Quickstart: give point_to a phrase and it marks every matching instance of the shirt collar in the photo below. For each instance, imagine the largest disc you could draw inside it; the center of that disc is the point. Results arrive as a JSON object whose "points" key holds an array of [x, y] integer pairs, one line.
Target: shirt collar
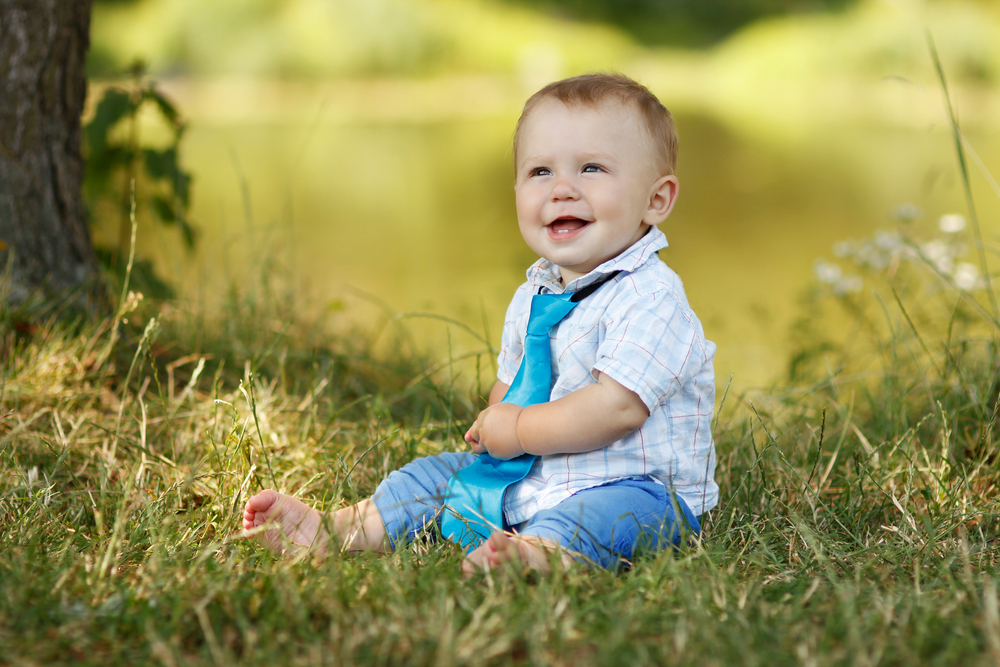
{"points": [[545, 274]]}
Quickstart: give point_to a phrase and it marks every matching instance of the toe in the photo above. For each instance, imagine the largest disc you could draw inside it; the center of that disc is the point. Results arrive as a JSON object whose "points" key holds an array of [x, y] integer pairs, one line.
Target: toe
{"points": [[262, 501], [500, 542]]}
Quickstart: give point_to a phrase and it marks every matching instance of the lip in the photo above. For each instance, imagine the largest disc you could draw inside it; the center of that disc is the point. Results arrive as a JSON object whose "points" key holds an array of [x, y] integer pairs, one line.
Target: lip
{"points": [[565, 234]]}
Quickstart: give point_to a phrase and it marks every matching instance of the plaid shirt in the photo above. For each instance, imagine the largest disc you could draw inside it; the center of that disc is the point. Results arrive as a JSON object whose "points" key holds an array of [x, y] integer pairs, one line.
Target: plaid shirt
{"points": [[640, 330]]}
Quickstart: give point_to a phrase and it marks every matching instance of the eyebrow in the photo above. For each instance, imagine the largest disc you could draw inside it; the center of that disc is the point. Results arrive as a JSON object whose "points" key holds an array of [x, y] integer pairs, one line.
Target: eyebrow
{"points": [[584, 157], [597, 156]]}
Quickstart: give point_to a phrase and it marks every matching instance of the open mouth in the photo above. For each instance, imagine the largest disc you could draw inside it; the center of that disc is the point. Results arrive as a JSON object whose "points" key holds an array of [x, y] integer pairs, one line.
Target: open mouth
{"points": [[566, 227]]}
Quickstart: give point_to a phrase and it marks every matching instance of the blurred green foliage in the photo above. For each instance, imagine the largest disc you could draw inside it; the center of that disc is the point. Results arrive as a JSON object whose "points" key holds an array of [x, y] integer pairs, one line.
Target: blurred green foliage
{"points": [[690, 23], [312, 39], [536, 41], [125, 170], [657, 22]]}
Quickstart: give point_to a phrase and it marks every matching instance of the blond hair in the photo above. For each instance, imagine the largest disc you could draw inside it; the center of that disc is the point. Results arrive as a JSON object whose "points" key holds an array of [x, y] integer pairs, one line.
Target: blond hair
{"points": [[592, 90]]}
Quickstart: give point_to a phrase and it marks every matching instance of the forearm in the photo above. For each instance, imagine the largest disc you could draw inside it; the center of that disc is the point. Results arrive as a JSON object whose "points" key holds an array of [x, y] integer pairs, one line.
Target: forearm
{"points": [[587, 419], [498, 392]]}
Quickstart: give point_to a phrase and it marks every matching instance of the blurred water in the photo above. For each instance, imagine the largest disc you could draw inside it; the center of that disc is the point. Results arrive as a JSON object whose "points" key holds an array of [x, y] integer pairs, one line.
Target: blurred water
{"points": [[420, 215]]}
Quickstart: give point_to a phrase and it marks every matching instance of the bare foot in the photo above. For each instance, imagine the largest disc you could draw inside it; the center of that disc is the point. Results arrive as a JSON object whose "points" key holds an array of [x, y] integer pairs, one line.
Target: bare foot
{"points": [[295, 524], [296, 527], [532, 553]]}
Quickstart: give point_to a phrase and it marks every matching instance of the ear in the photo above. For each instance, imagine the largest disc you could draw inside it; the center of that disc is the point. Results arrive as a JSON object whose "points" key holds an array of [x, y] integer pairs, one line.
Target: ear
{"points": [[661, 199]]}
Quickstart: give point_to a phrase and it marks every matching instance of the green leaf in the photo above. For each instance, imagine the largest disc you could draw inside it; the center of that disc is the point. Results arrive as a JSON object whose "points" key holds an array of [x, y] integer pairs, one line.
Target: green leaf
{"points": [[165, 165], [182, 187], [163, 103], [188, 232], [101, 169], [171, 213], [113, 107], [163, 209], [161, 164]]}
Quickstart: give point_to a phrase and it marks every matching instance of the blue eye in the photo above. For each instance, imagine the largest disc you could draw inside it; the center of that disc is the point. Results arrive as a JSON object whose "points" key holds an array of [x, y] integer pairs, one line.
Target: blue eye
{"points": [[540, 171], [592, 168]]}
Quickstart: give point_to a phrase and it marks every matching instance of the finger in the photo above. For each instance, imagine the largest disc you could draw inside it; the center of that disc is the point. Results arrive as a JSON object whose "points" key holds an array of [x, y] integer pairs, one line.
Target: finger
{"points": [[472, 435]]}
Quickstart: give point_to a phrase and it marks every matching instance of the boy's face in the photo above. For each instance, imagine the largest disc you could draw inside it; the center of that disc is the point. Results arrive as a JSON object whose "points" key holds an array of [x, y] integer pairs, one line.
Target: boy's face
{"points": [[587, 186]]}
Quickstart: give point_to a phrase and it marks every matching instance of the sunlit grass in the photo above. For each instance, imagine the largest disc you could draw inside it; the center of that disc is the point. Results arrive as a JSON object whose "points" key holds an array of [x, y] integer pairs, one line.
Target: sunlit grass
{"points": [[858, 521]]}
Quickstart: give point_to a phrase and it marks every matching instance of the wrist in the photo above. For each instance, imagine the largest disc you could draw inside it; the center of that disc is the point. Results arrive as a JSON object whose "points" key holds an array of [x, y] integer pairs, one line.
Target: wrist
{"points": [[517, 434]]}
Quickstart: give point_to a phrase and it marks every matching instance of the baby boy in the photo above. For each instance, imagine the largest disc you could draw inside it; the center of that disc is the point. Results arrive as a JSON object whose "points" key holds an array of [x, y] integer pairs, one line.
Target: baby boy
{"points": [[622, 449]]}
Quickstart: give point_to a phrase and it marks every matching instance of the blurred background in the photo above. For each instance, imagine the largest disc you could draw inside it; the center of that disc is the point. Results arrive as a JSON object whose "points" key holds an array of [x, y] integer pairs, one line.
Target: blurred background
{"points": [[355, 154]]}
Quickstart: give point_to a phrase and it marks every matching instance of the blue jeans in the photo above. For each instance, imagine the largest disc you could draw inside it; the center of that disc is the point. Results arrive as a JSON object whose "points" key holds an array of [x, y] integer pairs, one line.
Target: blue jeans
{"points": [[606, 524]]}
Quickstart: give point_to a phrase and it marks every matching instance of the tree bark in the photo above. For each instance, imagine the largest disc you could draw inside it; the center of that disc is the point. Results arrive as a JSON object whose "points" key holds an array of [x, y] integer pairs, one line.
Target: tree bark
{"points": [[43, 225]]}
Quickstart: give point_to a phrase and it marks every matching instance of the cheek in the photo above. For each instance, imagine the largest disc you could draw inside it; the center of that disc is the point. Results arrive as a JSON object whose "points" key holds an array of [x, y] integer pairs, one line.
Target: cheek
{"points": [[624, 207], [532, 236], [523, 219], [526, 207], [605, 200]]}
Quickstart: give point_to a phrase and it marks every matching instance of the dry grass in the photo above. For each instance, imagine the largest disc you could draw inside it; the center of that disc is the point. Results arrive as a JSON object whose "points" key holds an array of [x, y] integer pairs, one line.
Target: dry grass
{"points": [[858, 522]]}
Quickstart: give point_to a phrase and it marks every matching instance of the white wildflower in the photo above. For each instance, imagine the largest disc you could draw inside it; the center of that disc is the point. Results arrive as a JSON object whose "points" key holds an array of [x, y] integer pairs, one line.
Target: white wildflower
{"points": [[828, 272], [952, 223], [907, 212], [940, 254], [844, 248], [966, 276], [888, 241], [848, 285], [871, 256]]}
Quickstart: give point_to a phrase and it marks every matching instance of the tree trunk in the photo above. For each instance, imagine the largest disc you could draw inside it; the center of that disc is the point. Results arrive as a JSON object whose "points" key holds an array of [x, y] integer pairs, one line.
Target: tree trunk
{"points": [[43, 226]]}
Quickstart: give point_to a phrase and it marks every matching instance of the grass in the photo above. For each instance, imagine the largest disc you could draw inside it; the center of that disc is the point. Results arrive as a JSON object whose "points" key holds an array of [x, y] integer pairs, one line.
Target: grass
{"points": [[859, 520], [858, 526]]}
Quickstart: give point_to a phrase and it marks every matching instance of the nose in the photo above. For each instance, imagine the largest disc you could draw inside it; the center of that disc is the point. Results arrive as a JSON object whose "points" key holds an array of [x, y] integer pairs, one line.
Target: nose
{"points": [[564, 188]]}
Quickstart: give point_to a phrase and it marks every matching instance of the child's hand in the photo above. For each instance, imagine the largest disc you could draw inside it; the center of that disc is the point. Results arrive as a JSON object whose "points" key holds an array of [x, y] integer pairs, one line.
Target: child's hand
{"points": [[495, 431], [472, 437]]}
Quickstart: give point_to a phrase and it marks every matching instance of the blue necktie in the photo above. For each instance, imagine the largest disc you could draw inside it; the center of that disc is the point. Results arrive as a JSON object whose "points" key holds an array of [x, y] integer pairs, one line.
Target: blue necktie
{"points": [[474, 502]]}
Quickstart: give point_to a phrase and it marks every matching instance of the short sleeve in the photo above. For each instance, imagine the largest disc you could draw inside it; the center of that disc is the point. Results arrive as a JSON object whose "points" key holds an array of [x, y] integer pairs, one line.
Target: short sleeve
{"points": [[515, 326], [653, 345]]}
